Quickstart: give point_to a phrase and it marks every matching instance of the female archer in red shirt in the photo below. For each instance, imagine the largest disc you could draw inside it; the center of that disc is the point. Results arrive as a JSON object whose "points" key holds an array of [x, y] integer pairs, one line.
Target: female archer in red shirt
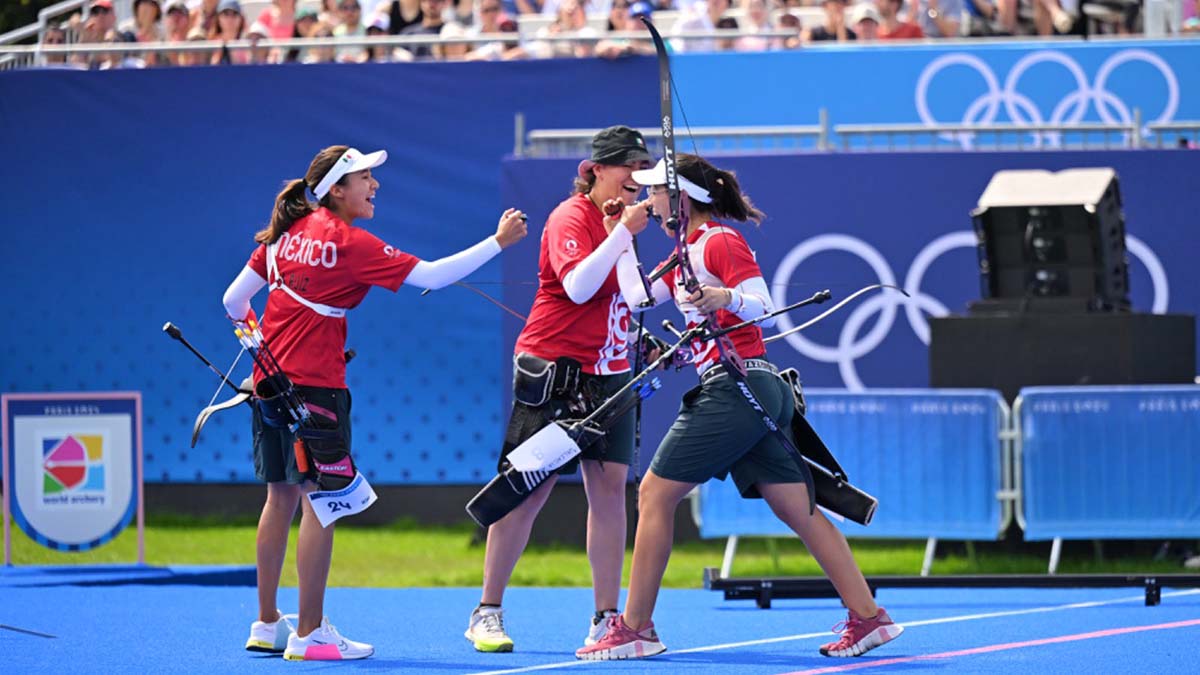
{"points": [[319, 266]]}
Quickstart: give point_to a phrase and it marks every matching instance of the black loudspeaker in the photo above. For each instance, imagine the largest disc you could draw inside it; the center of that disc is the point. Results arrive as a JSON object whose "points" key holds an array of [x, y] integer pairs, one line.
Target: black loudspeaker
{"points": [[1051, 242]]}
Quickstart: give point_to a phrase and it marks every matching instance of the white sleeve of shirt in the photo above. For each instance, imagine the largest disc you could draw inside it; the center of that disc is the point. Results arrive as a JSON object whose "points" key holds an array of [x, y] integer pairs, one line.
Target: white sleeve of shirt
{"points": [[237, 296], [750, 300], [443, 272], [582, 282], [631, 283]]}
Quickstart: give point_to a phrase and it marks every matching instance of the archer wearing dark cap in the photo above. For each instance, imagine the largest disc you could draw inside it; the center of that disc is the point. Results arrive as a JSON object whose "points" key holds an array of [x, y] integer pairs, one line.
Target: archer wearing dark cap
{"points": [[576, 332], [615, 145]]}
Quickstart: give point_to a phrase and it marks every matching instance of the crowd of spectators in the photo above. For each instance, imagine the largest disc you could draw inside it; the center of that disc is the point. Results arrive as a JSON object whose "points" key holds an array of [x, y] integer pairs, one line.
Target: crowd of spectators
{"points": [[764, 24]]}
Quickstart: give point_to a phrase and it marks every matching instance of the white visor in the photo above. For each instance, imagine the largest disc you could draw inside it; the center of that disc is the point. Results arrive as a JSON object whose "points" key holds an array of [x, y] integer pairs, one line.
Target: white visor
{"points": [[351, 160], [658, 176]]}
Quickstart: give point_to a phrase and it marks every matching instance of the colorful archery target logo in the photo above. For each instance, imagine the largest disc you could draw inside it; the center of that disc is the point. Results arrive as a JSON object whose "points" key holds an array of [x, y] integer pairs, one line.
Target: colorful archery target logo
{"points": [[73, 469], [72, 465]]}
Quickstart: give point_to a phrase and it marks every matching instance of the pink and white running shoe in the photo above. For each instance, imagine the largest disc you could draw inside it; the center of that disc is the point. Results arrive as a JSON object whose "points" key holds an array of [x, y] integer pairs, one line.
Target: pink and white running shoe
{"points": [[860, 635], [622, 642], [325, 644]]}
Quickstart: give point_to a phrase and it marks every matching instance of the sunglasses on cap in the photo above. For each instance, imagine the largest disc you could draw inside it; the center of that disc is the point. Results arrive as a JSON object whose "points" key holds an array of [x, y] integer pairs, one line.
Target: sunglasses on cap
{"points": [[100, 10]]}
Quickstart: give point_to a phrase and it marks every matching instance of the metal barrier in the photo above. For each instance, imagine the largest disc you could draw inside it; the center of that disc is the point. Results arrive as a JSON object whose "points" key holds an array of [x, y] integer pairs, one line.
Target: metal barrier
{"points": [[707, 140], [1077, 462], [936, 460], [1108, 463]]}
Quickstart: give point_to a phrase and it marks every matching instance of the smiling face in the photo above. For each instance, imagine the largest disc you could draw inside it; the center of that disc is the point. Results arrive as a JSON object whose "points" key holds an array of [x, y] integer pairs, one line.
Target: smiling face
{"points": [[661, 205], [354, 196], [616, 181]]}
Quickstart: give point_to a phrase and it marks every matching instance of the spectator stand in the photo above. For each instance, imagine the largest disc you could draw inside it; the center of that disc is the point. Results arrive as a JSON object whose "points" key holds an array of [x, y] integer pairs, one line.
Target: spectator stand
{"points": [[530, 24]]}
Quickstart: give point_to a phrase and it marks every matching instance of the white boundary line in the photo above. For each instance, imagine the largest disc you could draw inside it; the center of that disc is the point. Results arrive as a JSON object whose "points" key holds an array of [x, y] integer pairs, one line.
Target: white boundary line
{"points": [[906, 624]]}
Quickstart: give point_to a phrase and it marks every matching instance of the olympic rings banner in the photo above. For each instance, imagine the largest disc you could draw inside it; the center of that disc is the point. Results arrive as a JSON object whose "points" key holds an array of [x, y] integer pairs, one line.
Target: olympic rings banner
{"points": [[1017, 83]]}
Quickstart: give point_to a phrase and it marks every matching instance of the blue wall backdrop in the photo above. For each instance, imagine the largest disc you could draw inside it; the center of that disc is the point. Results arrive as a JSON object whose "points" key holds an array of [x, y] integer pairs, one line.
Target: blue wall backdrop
{"points": [[140, 193], [132, 197], [1016, 82]]}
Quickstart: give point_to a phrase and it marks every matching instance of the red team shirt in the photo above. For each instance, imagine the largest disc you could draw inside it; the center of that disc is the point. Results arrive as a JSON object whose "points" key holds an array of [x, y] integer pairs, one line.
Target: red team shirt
{"points": [[331, 263], [594, 333], [720, 257]]}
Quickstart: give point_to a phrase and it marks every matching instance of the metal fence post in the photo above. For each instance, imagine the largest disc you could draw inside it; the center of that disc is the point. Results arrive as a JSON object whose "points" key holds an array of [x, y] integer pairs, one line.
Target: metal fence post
{"points": [[823, 121], [519, 134]]}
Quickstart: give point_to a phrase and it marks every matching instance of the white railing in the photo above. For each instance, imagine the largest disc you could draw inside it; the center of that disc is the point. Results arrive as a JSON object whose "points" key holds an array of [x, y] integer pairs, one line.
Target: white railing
{"points": [[825, 136]]}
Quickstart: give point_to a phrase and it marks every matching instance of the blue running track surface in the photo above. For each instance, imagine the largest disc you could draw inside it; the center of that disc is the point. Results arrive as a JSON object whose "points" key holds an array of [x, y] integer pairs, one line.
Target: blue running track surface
{"points": [[156, 620]]}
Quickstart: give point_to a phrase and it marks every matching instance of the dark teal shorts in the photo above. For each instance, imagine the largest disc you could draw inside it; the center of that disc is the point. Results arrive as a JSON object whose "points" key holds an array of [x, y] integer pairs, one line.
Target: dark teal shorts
{"points": [[717, 433], [274, 456]]}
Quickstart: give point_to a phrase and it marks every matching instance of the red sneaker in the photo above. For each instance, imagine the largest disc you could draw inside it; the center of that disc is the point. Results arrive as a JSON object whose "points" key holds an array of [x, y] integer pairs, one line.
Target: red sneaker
{"points": [[622, 642], [860, 635]]}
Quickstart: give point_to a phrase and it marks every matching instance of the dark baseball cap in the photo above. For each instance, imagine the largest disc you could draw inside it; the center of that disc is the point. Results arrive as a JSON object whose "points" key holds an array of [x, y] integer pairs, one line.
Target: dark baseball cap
{"points": [[615, 146]]}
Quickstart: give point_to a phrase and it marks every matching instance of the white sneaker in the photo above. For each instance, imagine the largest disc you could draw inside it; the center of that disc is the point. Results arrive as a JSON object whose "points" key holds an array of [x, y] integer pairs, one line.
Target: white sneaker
{"points": [[486, 630], [599, 626], [325, 644], [270, 637]]}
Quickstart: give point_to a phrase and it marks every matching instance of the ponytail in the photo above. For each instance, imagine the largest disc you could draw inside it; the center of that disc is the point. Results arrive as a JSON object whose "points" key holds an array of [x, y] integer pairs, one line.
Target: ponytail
{"points": [[291, 205], [728, 201]]}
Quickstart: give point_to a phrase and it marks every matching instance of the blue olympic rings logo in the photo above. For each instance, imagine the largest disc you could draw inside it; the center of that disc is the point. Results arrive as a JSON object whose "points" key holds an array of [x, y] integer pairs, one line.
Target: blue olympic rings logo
{"points": [[1022, 110]]}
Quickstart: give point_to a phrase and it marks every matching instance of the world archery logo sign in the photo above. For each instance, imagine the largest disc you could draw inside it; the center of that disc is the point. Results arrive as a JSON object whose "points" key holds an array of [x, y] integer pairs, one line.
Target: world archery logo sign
{"points": [[1060, 92], [72, 466], [73, 470]]}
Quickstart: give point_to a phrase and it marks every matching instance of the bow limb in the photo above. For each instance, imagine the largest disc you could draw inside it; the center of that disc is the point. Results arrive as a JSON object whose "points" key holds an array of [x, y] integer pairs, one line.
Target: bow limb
{"points": [[818, 318], [677, 219]]}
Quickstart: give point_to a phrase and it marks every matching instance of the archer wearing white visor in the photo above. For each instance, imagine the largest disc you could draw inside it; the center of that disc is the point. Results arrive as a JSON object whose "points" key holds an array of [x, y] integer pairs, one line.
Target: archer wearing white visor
{"points": [[320, 266], [717, 433]]}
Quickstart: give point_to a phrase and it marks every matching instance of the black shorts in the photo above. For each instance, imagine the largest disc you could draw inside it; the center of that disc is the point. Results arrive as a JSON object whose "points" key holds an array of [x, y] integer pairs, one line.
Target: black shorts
{"points": [[274, 456], [616, 446]]}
